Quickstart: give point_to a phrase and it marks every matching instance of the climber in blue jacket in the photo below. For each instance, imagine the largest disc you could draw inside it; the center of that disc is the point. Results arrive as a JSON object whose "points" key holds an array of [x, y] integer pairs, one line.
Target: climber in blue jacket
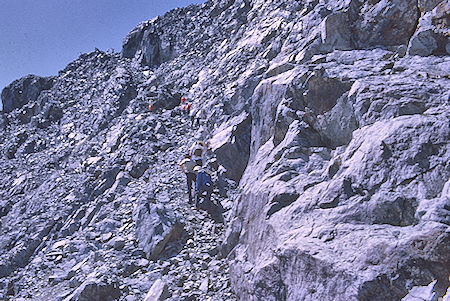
{"points": [[203, 183]]}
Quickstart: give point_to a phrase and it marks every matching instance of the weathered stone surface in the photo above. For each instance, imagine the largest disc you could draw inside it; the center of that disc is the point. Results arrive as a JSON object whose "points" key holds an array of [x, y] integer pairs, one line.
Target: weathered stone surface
{"points": [[383, 22], [231, 145], [329, 142], [157, 292], [23, 91], [155, 228], [427, 5], [335, 32], [326, 197], [422, 293], [432, 34], [152, 45], [95, 290]]}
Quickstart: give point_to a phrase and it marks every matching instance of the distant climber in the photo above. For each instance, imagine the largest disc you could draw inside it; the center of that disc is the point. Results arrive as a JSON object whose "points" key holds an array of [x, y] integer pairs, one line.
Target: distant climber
{"points": [[195, 119], [187, 166], [186, 108], [150, 105], [198, 117], [192, 119], [203, 187], [198, 149]]}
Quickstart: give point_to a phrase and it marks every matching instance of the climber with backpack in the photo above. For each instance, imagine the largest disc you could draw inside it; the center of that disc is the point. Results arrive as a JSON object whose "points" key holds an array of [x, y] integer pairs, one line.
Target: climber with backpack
{"points": [[195, 119], [187, 166], [187, 109], [203, 187], [197, 151], [183, 105]]}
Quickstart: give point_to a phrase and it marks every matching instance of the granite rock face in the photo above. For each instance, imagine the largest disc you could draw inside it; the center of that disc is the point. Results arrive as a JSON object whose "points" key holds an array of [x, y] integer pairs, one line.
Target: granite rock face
{"points": [[328, 129], [24, 90], [387, 23], [231, 145], [432, 34]]}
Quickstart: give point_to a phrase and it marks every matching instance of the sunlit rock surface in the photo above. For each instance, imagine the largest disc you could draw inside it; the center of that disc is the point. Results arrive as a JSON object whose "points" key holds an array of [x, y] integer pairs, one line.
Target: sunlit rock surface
{"points": [[328, 128]]}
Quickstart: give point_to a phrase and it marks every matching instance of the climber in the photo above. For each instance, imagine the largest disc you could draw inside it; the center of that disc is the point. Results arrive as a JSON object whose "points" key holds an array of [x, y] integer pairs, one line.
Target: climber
{"points": [[185, 108], [150, 105], [182, 100], [203, 184], [197, 151], [195, 119], [187, 166]]}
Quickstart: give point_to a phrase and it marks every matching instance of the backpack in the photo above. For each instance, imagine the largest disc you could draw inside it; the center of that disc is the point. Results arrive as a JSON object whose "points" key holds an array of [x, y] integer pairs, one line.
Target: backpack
{"points": [[203, 181], [198, 152]]}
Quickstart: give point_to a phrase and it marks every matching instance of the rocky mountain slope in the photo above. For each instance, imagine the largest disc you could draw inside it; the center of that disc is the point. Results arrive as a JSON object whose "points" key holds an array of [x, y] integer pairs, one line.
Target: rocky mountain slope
{"points": [[329, 128]]}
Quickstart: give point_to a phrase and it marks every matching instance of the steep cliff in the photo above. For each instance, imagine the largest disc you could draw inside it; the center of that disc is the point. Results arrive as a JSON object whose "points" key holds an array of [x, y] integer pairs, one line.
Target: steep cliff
{"points": [[329, 128]]}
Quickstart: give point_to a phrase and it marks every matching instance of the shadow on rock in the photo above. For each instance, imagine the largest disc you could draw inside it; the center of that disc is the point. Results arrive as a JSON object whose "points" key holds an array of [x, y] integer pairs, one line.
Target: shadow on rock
{"points": [[214, 209]]}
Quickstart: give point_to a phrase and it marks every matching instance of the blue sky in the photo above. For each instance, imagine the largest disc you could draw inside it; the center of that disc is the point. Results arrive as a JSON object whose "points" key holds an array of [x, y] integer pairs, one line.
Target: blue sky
{"points": [[42, 36]]}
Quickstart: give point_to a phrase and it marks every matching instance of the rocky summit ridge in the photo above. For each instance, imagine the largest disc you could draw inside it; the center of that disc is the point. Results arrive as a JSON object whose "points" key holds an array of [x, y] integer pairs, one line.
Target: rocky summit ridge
{"points": [[328, 123]]}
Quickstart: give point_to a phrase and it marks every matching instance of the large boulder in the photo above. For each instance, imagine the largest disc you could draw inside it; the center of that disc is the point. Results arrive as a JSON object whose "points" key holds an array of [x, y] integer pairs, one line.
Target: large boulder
{"points": [[131, 42], [95, 289], [146, 43], [24, 90], [335, 32], [156, 226], [386, 23], [163, 97], [231, 145], [432, 34], [158, 292]]}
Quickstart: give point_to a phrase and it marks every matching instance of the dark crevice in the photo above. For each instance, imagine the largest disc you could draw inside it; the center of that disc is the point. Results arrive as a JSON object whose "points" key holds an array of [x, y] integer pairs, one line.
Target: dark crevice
{"points": [[417, 22], [280, 201]]}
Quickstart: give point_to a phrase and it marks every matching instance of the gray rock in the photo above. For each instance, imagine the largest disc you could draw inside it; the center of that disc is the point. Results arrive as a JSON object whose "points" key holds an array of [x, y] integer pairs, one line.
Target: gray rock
{"points": [[157, 292], [377, 23], [204, 285], [421, 293], [95, 290], [155, 228], [23, 91], [231, 145], [278, 69], [384, 208], [431, 36], [423, 43], [335, 32], [427, 5], [231, 237], [160, 129], [130, 298], [118, 243]]}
